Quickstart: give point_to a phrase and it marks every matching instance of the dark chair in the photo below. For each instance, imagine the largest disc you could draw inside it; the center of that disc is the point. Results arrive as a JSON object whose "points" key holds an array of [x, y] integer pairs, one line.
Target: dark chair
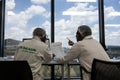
{"points": [[15, 70], [105, 70]]}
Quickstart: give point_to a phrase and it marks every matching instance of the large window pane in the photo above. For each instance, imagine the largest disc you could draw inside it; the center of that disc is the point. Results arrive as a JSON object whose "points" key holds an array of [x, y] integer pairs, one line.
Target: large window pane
{"points": [[112, 27], [22, 16], [69, 15]]}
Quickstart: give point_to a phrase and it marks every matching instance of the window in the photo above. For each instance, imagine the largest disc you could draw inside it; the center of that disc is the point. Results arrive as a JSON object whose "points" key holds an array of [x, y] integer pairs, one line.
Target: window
{"points": [[112, 27], [70, 14], [21, 18]]}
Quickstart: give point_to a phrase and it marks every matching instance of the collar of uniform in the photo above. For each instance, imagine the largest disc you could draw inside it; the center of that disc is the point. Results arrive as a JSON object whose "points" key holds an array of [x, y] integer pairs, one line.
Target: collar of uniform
{"points": [[37, 38], [88, 37]]}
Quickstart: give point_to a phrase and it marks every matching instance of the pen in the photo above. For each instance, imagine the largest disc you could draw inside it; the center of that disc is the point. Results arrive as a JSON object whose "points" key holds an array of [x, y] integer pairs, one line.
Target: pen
{"points": [[68, 39]]}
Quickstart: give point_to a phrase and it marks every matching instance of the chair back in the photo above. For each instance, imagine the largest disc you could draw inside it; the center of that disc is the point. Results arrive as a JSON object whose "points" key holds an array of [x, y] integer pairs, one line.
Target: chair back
{"points": [[15, 70], [105, 70]]}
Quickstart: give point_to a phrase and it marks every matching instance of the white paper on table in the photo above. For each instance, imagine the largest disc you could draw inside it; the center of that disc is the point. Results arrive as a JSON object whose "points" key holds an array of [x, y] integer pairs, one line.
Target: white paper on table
{"points": [[56, 48]]}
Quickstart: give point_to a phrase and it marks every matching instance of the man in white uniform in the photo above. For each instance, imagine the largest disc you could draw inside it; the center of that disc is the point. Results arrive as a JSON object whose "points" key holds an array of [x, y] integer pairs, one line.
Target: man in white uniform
{"points": [[85, 50], [35, 51]]}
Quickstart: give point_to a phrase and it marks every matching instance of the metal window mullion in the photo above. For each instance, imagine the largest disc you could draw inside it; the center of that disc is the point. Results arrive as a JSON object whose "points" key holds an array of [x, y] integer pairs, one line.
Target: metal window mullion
{"points": [[2, 19], [101, 23], [52, 21]]}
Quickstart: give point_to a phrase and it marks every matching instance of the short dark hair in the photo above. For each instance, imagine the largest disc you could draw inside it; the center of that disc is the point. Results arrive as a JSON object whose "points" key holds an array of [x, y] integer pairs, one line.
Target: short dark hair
{"points": [[39, 32], [84, 30]]}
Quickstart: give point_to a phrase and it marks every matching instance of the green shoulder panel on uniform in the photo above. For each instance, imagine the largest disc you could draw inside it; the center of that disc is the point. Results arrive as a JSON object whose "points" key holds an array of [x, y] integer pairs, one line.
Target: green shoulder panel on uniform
{"points": [[27, 49]]}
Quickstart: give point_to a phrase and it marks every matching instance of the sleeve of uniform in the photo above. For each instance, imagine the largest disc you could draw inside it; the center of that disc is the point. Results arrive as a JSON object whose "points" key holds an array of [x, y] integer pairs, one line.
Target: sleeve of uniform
{"points": [[47, 56], [72, 54], [44, 56]]}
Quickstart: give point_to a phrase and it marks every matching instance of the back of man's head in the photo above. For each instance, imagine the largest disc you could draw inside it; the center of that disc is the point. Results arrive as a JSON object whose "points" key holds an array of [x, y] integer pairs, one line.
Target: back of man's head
{"points": [[39, 32], [84, 30]]}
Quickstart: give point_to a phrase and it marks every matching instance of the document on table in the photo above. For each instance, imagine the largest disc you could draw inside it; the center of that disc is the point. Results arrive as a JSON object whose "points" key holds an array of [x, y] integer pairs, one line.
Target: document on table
{"points": [[56, 48]]}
